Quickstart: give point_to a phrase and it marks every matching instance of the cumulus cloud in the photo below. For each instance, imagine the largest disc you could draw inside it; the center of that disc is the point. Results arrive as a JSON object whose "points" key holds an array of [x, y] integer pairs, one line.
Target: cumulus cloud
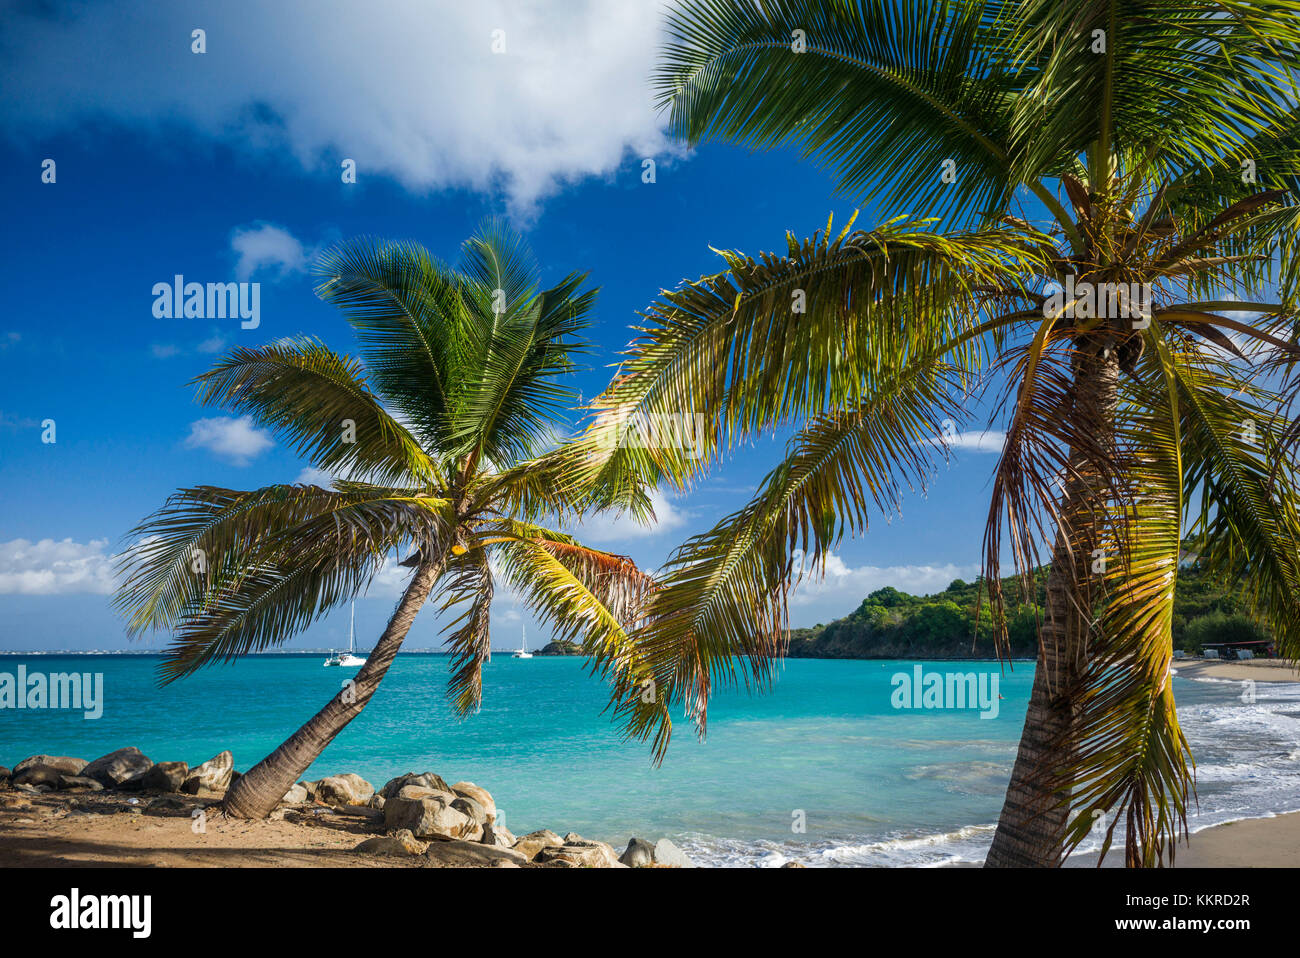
{"points": [[844, 586], [267, 247], [609, 527], [408, 89], [48, 567], [235, 440], [311, 476]]}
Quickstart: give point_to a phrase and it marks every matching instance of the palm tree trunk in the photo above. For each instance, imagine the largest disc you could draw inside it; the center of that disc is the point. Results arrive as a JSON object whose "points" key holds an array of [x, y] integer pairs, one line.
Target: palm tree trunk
{"points": [[1031, 829], [259, 791]]}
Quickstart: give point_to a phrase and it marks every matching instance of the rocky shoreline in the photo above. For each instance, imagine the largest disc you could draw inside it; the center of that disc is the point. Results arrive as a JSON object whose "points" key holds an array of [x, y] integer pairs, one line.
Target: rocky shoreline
{"points": [[414, 819]]}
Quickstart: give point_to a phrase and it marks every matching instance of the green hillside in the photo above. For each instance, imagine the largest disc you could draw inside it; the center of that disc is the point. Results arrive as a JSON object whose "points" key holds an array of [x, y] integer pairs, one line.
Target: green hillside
{"points": [[890, 624]]}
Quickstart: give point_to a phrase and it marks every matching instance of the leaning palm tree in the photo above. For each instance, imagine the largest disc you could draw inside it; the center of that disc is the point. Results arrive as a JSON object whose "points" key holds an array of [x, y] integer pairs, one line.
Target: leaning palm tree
{"points": [[1101, 232], [439, 435]]}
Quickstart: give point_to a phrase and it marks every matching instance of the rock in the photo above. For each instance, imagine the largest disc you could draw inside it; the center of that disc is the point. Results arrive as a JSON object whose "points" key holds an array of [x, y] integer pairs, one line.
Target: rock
{"points": [[794, 865], [430, 817], [589, 854], [424, 779], [34, 776], [499, 835], [376, 801], [14, 801], [167, 807], [402, 844], [214, 774], [63, 763], [666, 853], [638, 854], [604, 855], [534, 842], [348, 789], [162, 777], [115, 768], [480, 795], [296, 795], [473, 809], [78, 782], [419, 791], [5, 773], [458, 854]]}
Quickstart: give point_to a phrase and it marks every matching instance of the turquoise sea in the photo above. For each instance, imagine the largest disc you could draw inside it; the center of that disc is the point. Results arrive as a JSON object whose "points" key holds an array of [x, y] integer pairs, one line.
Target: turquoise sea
{"points": [[873, 785]]}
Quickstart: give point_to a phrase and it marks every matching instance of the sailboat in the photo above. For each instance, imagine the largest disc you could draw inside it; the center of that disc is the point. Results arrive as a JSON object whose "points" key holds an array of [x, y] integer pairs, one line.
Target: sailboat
{"points": [[349, 659], [523, 652]]}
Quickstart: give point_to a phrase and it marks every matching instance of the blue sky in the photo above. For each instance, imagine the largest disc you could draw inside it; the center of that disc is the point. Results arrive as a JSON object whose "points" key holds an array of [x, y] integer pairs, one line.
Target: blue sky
{"points": [[226, 165]]}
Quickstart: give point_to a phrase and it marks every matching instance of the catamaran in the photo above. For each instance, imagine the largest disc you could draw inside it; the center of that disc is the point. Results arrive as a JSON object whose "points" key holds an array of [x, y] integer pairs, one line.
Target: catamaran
{"points": [[349, 659], [523, 652]]}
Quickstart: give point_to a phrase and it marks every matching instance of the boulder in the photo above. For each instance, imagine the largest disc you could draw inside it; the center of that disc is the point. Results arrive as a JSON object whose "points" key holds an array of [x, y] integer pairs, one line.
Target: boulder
{"points": [[214, 774], [162, 777], [63, 763], [480, 795], [666, 853], [534, 842], [419, 791], [423, 779], [499, 835], [794, 865], [34, 776], [604, 855], [473, 809], [376, 801], [79, 783], [115, 768], [5, 773], [430, 818], [348, 789], [296, 795], [458, 854], [638, 853], [589, 854], [401, 844]]}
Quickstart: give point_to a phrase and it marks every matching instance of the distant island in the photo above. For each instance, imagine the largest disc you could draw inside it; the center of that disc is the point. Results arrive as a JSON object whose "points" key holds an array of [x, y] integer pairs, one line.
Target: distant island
{"points": [[890, 624], [561, 647]]}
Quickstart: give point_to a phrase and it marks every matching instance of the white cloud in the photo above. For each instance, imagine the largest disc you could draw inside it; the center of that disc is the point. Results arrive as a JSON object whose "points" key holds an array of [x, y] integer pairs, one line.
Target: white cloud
{"points": [[989, 441], [48, 567], [843, 586], [236, 440], [612, 527], [164, 350], [407, 89], [213, 344], [311, 476], [267, 247]]}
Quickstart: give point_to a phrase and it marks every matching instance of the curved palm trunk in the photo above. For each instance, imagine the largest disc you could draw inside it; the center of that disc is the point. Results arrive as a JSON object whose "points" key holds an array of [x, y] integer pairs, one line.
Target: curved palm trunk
{"points": [[258, 792], [1031, 829]]}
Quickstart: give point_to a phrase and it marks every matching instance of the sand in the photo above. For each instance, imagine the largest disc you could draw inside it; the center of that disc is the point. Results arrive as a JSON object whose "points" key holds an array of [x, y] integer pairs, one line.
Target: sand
{"points": [[44, 831], [1260, 670]]}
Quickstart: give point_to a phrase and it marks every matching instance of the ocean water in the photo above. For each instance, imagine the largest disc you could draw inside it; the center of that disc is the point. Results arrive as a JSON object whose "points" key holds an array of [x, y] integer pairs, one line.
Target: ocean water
{"points": [[870, 784]]}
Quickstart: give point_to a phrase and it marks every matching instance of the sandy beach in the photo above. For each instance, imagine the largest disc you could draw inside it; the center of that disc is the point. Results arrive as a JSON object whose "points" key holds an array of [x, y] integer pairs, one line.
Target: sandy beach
{"points": [[1260, 670], [96, 830]]}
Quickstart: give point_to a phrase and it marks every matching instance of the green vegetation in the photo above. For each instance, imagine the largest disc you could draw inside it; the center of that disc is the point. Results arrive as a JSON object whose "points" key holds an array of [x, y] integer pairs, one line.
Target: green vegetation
{"points": [[891, 624]]}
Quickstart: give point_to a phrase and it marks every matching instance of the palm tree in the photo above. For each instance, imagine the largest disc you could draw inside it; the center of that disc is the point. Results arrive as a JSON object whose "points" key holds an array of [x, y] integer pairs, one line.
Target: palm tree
{"points": [[439, 435], [1160, 144]]}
